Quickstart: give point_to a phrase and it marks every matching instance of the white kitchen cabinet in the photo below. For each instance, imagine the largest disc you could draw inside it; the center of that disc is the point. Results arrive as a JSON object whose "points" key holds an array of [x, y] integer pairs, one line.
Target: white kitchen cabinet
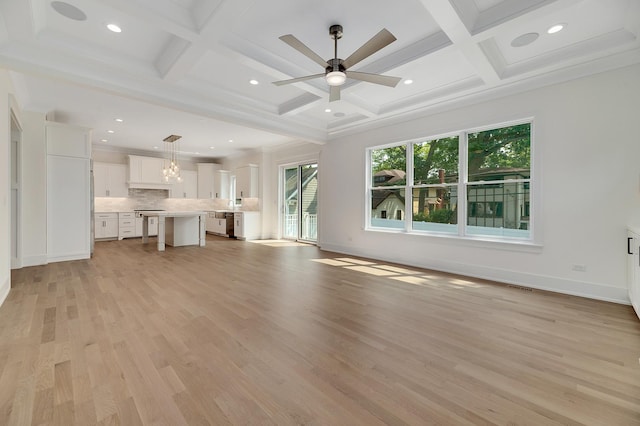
{"points": [[216, 225], [146, 173], [206, 179], [633, 268], [188, 188], [221, 184], [246, 225], [105, 225], [153, 226], [68, 192], [126, 225], [110, 180], [247, 181]]}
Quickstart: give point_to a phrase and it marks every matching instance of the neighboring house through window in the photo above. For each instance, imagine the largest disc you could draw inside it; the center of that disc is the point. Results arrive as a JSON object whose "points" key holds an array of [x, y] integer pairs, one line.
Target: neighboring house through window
{"points": [[489, 169]]}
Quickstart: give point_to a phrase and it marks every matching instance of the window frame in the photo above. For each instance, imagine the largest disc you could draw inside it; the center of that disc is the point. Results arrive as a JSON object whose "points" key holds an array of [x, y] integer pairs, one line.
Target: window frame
{"points": [[462, 185]]}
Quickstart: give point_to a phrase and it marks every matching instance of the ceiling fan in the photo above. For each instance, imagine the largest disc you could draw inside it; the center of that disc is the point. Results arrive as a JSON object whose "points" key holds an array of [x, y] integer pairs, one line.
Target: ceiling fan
{"points": [[336, 69]]}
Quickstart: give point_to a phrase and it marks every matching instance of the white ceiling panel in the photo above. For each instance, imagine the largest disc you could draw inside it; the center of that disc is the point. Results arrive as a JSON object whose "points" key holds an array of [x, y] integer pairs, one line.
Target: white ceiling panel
{"points": [[585, 21], [183, 66]]}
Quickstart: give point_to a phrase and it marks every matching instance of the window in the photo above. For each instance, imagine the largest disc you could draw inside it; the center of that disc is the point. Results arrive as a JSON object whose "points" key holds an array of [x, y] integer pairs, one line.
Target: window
{"points": [[388, 181], [435, 182], [489, 170]]}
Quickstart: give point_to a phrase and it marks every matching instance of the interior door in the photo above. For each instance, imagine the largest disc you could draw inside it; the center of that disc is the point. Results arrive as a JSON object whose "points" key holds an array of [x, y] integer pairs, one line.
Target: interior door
{"points": [[300, 202]]}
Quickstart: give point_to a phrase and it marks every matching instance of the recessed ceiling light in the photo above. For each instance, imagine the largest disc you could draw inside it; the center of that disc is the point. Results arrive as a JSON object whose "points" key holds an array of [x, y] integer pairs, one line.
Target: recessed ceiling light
{"points": [[556, 28], [114, 28], [103, 140], [524, 39], [212, 147], [68, 11], [119, 120], [254, 82], [110, 131], [327, 110], [155, 147], [197, 153], [408, 81], [230, 140]]}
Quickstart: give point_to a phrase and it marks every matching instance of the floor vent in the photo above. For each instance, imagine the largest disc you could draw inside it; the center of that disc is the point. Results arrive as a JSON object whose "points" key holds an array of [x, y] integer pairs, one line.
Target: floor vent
{"points": [[519, 287]]}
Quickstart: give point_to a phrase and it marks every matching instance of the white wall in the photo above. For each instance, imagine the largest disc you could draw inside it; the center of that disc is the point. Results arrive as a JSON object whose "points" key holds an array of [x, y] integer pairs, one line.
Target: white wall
{"points": [[587, 157], [34, 190], [291, 154]]}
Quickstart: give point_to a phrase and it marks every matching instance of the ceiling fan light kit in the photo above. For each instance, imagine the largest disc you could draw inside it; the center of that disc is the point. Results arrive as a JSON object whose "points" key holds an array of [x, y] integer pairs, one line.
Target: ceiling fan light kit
{"points": [[336, 72]]}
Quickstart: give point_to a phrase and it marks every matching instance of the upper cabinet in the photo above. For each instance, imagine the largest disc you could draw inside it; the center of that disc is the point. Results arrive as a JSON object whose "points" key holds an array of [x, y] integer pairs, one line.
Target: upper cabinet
{"points": [[247, 181], [221, 184], [206, 179], [110, 180], [188, 188], [146, 173], [68, 141]]}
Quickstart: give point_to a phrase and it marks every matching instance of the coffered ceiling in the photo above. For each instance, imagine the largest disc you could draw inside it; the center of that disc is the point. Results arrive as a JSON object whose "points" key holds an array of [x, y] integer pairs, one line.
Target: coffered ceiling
{"points": [[184, 66]]}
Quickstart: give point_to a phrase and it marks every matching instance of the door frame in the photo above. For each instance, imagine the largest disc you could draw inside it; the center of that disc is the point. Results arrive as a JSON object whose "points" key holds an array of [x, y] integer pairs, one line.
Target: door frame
{"points": [[16, 132], [281, 207]]}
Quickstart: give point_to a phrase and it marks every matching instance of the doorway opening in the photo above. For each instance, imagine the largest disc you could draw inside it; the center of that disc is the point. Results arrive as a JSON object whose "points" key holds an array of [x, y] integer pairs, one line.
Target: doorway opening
{"points": [[300, 202]]}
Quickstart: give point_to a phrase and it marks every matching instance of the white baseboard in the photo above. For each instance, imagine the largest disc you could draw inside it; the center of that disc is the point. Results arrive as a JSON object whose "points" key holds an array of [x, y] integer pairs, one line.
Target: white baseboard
{"points": [[541, 282], [34, 260], [4, 289], [66, 257]]}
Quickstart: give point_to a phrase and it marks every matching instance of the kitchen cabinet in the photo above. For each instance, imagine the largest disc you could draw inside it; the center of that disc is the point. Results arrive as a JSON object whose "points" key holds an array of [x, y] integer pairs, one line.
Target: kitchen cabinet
{"points": [[206, 179], [146, 173], [247, 181], [246, 225], [633, 268], [188, 188], [221, 184], [68, 194], [110, 180], [153, 226], [105, 226], [126, 225], [216, 225]]}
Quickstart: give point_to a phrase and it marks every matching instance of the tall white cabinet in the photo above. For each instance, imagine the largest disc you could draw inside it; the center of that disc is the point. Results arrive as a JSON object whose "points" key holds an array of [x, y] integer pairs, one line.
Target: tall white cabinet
{"points": [[68, 192]]}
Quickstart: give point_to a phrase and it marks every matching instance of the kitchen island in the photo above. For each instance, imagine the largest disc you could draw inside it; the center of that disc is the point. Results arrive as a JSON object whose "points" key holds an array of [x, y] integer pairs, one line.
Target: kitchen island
{"points": [[176, 228]]}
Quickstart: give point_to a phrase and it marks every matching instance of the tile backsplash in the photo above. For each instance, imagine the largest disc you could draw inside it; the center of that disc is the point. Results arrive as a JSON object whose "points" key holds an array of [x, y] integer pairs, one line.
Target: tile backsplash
{"points": [[158, 199]]}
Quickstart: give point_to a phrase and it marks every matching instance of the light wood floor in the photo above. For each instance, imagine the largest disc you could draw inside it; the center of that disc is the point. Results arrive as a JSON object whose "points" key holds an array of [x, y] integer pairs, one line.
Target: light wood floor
{"points": [[247, 333]]}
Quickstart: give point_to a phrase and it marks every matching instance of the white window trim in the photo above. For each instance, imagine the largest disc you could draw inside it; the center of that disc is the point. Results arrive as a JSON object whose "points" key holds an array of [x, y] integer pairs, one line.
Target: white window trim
{"points": [[531, 244]]}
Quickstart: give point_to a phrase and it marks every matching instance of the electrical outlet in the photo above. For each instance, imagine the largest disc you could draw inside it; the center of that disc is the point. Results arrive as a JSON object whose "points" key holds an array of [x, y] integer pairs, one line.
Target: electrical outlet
{"points": [[579, 268]]}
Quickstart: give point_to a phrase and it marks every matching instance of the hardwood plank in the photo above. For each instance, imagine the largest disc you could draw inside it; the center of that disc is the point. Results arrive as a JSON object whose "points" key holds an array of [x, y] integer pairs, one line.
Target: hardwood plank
{"points": [[244, 333]]}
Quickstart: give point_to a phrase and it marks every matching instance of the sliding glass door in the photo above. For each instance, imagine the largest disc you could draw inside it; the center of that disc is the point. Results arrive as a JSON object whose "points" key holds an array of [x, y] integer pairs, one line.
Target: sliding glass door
{"points": [[300, 202]]}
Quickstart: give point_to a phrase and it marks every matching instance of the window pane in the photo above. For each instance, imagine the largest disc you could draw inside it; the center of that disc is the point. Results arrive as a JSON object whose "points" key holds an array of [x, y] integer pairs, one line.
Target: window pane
{"points": [[387, 208], [389, 166], [436, 161], [500, 209], [500, 154], [435, 209]]}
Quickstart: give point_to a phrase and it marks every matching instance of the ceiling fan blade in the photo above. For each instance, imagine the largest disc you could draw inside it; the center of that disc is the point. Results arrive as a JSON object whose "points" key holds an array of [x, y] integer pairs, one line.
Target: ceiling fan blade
{"points": [[334, 93], [377, 42], [385, 80], [302, 48], [295, 80]]}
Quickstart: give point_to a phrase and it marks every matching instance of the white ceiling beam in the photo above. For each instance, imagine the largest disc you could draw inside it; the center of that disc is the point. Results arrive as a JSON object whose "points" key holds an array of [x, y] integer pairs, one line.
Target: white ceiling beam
{"points": [[452, 24], [174, 63]]}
